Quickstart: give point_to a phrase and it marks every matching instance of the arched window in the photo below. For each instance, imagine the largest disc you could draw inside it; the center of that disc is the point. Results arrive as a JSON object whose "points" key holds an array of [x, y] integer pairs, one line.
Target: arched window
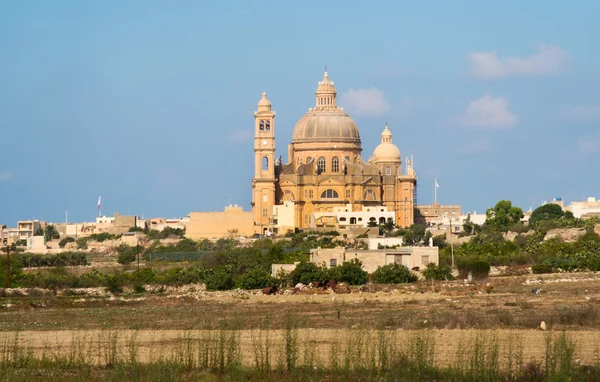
{"points": [[288, 196], [370, 195], [329, 194], [265, 163], [268, 125], [335, 164], [321, 165], [262, 125]]}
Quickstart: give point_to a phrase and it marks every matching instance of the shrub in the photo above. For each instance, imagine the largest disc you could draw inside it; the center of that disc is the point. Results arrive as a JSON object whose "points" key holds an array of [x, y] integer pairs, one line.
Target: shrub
{"points": [[393, 274], [219, 280], [255, 278], [33, 260], [127, 253], [437, 272], [307, 272], [479, 269], [542, 268], [64, 241], [114, 285], [350, 272], [16, 273]]}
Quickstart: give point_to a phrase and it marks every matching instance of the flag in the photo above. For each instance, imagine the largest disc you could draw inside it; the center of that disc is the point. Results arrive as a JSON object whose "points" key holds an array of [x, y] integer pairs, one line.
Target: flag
{"points": [[99, 201], [436, 183]]}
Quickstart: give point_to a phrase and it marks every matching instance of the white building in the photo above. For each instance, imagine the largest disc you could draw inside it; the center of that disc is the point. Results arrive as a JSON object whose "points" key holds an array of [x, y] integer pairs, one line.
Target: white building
{"points": [[283, 218], [346, 217]]}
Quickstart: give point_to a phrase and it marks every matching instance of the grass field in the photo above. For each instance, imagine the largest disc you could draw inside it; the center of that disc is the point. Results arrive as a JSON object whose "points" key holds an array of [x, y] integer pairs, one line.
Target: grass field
{"points": [[316, 331]]}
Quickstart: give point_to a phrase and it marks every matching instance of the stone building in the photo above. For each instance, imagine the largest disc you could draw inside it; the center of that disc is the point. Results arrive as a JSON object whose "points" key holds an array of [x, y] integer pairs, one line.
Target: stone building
{"points": [[325, 169]]}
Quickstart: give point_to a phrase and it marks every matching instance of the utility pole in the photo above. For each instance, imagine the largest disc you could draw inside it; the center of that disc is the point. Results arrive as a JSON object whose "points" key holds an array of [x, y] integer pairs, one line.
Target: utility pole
{"points": [[451, 241], [8, 266]]}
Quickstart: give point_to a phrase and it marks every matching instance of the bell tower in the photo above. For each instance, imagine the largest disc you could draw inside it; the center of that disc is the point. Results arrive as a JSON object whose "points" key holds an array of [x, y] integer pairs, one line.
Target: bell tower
{"points": [[263, 182]]}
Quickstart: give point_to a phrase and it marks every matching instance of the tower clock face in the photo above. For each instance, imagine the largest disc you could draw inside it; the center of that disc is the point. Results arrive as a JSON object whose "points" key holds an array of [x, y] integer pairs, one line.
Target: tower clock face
{"points": [[265, 142]]}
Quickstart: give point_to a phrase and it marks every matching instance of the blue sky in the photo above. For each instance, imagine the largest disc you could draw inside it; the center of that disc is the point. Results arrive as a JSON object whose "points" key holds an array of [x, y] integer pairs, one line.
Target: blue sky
{"points": [[149, 103]]}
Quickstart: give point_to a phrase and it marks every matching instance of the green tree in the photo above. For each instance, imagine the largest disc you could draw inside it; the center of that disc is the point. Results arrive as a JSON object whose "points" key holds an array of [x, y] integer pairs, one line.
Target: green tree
{"points": [[414, 234], [546, 212], [469, 226], [16, 272], [64, 241], [437, 272], [51, 233], [349, 272], [306, 272], [220, 279], [256, 278], [503, 216], [393, 274], [39, 232], [127, 253]]}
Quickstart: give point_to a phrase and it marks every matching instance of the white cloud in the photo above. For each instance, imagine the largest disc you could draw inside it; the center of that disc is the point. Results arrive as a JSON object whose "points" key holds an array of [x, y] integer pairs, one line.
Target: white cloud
{"points": [[489, 112], [589, 145], [582, 113], [5, 176], [243, 135], [367, 102], [550, 60]]}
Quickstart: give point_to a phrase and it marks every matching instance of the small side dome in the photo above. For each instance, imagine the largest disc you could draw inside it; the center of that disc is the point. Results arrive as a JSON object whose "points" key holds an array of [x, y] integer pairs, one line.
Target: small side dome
{"points": [[386, 151]]}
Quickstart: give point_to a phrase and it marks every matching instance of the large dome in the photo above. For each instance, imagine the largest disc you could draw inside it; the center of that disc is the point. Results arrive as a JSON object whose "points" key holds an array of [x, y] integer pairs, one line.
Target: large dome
{"points": [[326, 122], [327, 126]]}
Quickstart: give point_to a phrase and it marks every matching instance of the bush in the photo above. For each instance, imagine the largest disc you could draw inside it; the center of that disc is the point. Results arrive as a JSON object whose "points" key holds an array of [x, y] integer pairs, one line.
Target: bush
{"points": [[219, 280], [437, 272], [479, 269], [127, 253], [16, 273], [64, 241], [349, 272], [542, 268], [113, 285], [33, 260], [255, 278], [393, 274], [307, 272]]}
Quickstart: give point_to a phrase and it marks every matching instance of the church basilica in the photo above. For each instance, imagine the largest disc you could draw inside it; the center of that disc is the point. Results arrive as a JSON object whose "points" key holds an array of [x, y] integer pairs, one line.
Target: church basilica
{"points": [[325, 172]]}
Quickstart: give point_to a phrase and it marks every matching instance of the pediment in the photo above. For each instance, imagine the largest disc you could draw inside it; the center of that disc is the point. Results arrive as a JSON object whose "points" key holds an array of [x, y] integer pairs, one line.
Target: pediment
{"points": [[330, 180], [369, 181], [286, 182]]}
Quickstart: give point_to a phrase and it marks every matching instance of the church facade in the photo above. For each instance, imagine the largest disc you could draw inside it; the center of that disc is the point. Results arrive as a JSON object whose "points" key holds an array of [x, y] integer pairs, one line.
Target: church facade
{"points": [[325, 171]]}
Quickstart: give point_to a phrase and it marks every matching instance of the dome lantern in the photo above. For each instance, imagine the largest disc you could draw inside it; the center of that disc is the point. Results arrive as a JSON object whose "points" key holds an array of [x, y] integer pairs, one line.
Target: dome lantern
{"points": [[326, 94]]}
